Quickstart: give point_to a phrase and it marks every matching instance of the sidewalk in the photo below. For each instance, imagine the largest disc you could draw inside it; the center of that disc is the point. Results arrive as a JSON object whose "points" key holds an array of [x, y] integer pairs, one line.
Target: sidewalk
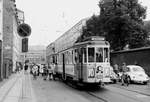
{"points": [[17, 89]]}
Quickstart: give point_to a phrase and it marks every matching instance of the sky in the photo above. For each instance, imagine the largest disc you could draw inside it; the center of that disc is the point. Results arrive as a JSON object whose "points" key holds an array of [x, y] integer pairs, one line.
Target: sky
{"points": [[49, 19]]}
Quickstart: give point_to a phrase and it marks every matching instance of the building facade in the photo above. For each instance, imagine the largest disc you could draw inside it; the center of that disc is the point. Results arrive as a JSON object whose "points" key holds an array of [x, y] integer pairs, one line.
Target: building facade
{"points": [[36, 54], [16, 45], [11, 42]]}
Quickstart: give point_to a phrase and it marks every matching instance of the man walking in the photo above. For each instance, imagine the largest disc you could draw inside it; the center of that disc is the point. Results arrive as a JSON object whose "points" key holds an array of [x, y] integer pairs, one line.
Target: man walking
{"points": [[35, 71]]}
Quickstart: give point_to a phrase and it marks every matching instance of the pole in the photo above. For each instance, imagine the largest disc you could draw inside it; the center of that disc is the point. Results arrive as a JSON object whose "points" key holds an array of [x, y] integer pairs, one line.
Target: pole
{"points": [[1, 39], [24, 61]]}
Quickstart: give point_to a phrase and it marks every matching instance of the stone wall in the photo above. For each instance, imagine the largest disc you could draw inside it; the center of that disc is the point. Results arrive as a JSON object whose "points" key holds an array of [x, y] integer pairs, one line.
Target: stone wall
{"points": [[139, 56]]}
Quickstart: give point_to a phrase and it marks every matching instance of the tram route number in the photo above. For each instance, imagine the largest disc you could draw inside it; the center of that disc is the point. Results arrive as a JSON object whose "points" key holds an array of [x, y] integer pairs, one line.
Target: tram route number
{"points": [[91, 73]]}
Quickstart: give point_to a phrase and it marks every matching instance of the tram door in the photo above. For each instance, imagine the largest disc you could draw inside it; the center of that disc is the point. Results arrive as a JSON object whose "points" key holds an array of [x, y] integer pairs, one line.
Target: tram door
{"points": [[63, 58], [80, 64]]}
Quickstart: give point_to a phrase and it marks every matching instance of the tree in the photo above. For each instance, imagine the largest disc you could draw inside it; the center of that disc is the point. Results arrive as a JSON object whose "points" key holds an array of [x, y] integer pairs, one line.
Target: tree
{"points": [[92, 28], [121, 22]]}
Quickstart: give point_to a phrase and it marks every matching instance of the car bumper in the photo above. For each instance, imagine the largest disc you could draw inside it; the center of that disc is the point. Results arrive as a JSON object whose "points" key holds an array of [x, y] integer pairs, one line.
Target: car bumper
{"points": [[140, 81]]}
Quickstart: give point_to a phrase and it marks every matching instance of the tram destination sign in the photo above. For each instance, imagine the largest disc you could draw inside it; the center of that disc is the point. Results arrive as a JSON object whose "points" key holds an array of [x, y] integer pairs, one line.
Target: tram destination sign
{"points": [[24, 30]]}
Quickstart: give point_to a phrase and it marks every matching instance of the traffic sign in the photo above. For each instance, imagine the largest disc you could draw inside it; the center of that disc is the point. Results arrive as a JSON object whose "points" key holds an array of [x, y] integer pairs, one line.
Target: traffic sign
{"points": [[25, 45], [24, 30]]}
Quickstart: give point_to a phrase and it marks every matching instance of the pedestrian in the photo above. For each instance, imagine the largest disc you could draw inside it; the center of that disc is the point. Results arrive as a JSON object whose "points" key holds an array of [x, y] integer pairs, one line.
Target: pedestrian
{"points": [[50, 72], [17, 67], [25, 67], [21, 66], [41, 70], [136, 63], [45, 72], [124, 77], [116, 68], [54, 71], [38, 70], [35, 71]]}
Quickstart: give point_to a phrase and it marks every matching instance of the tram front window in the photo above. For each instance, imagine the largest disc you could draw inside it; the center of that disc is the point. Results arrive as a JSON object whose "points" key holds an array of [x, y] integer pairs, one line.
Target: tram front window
{"points": [[106, 53], [99, 54], [91, 52], [84, 55]]}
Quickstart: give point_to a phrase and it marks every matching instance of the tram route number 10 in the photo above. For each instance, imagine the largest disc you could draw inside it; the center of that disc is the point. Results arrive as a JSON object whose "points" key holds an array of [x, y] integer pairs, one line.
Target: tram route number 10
{"points": [[91, 73]]}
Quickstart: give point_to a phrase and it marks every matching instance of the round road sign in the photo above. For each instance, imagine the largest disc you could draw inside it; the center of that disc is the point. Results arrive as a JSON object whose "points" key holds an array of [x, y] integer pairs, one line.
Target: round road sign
{"points": [[24, 30]]}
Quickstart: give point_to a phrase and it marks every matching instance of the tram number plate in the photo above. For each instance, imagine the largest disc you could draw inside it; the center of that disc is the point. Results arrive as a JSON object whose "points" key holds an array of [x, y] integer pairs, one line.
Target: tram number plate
{"points": [[91, 73], [99, 76]]}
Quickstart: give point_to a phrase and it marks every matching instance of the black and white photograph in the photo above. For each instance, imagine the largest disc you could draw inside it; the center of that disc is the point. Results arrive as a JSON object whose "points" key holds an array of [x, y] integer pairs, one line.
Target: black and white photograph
{"points": [[74, 50]]}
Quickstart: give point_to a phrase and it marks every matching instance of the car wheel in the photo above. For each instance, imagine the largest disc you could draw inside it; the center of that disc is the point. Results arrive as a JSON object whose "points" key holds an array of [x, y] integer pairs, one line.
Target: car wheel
{"points": [[145, 83], [115, 81]]}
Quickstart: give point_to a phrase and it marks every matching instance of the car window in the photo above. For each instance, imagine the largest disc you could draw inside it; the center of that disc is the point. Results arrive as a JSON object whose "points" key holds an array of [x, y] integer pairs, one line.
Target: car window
{"points": [[137, 69]]}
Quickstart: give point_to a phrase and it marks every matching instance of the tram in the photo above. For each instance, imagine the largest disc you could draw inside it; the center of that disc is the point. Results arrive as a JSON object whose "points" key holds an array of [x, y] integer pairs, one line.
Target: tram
{"points": [[86, 62]]}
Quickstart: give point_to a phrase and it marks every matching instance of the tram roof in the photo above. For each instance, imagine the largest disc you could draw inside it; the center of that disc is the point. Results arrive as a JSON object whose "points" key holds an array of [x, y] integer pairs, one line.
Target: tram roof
{"points": [[91, 43]]}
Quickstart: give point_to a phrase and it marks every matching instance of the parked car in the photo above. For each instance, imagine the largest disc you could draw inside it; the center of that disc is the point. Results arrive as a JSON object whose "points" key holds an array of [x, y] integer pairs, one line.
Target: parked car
{"points": [[137, 74]]}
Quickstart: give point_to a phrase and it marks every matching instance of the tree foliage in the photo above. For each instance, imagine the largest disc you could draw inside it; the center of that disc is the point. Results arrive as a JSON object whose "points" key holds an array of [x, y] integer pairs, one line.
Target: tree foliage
{"points": [[147, 26], [121, 22], [93, 28]]}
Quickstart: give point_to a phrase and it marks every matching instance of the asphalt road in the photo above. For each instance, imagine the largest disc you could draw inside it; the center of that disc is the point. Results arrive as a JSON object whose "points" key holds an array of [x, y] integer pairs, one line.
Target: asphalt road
{"points": [[57, 91]]}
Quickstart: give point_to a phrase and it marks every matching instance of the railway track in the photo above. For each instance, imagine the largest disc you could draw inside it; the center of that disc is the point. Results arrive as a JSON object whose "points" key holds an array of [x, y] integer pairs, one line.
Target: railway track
{"points": [[109, 100], [91, 92], [84, 90], [132, 91], [97, 97]]}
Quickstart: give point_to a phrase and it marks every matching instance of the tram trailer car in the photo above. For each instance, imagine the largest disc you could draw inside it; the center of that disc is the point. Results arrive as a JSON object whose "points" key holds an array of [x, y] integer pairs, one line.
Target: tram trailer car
{"points": [[86, 62]]}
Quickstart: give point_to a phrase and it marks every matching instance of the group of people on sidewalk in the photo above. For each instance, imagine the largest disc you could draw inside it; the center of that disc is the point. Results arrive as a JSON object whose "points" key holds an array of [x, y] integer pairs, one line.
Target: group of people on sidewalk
{"points": [[47, 71]]}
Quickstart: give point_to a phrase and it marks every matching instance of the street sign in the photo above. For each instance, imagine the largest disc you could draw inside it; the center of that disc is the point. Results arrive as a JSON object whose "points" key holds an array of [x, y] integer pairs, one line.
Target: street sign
{"points": [[24, 30], [25, 45]]}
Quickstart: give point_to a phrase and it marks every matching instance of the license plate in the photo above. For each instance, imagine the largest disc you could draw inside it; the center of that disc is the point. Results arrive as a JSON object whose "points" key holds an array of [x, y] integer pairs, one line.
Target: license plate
{"points": [[99, 76]]}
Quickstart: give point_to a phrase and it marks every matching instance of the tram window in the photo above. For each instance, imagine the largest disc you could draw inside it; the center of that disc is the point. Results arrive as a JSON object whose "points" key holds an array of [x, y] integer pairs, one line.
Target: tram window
{"points": [[70, 57], [99, 54], [53, 59], [76, 58], [106, 54], [73, 57], [91, 54], [66, 58], [84, 55]]}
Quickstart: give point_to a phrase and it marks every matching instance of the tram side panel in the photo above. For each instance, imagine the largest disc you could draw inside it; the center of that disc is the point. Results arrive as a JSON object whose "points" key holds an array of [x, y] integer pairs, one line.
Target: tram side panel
{"points": [[65, 66], [75, 70]]}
